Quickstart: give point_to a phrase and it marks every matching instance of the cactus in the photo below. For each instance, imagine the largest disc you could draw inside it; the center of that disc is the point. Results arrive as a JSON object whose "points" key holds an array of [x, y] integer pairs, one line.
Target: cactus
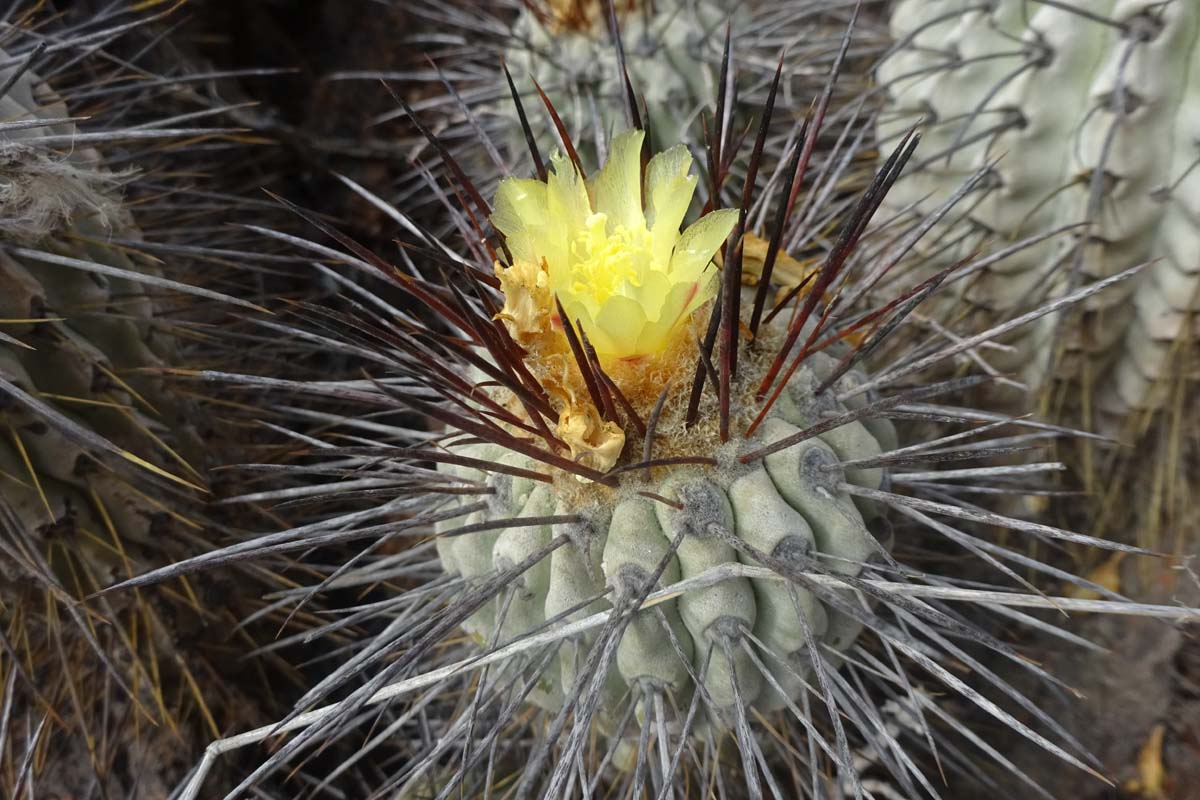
{"points": [[671, 51], [1083, 115], [1088, 112], [65, 339], [101, 458], [656, 494], [791, 506]]}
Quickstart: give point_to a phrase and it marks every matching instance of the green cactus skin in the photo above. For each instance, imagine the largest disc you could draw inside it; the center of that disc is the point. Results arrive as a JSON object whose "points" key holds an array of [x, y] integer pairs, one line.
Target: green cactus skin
{"points": [[104, 696], [1087, 121], [789, 506]]}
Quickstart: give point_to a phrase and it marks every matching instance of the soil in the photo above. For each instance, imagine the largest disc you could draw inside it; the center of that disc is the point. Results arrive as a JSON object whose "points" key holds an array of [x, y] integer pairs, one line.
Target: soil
{"points": [[1149, 682]]}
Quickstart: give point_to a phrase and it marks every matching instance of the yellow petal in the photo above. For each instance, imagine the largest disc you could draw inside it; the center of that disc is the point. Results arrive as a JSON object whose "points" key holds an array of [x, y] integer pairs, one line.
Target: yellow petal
{"points": [[519, 201], [661, 173], [654, 293], [700, 241], [678, 303], [669, 191], [706, 289], [581, 311], [618, 325], [617, 188], [672, 207], [520, 214], [567, 195]]}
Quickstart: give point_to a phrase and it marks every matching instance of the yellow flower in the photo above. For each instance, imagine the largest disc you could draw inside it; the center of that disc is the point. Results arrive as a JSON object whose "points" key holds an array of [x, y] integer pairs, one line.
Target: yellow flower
{"points": [[623, 272], [627, 274]]}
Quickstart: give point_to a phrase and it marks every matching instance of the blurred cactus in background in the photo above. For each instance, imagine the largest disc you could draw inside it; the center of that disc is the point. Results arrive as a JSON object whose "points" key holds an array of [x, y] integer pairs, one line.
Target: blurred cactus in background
{"points": [[1085, 119]]}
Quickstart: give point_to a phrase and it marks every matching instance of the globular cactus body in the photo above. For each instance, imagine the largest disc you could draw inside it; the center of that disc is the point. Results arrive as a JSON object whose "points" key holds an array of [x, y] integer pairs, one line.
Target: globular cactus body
{"points": [[100, 452], [789, 507], [1083, 113]]}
